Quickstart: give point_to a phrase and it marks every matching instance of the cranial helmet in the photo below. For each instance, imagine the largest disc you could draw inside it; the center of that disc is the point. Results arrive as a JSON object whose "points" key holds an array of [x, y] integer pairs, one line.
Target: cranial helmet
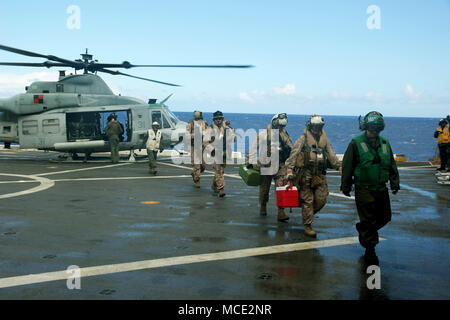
{"points": [[443, 122], [218, 115], [155, 124], [315, 122], [198, 115], [278, 120], [372, 121]]}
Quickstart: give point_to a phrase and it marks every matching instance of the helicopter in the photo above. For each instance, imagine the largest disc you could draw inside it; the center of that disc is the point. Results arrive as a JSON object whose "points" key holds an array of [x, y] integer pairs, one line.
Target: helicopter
{"points": [[69, 115]]}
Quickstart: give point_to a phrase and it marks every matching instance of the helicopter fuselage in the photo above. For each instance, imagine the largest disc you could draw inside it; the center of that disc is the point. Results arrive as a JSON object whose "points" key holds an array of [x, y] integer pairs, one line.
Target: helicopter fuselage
{"points": [[70, 116]]}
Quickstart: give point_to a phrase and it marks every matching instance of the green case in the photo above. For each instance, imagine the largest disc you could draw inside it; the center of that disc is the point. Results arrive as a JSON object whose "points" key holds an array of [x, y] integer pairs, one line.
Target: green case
{"points": [[251, 177]]}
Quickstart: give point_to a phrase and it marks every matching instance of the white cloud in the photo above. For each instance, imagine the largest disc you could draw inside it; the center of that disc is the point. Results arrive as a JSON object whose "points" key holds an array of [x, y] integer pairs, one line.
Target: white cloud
{"points": [[15, 83], [288, 89], [411, 93], [245, 97]]}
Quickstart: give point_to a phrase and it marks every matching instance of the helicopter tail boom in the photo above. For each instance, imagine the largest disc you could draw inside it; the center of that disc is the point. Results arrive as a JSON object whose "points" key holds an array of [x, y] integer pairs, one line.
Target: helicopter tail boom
{"points": [[24, 104], [9, 105]]}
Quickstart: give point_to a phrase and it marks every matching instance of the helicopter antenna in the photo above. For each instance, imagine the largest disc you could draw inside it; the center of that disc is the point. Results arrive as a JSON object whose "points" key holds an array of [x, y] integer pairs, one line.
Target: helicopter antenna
{"points": [[93, 66], [162, 102]]}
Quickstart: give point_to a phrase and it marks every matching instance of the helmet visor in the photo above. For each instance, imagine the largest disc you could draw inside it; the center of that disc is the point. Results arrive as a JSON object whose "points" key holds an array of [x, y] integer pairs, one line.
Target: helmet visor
{"points": [[375, 127], [374, 122]]}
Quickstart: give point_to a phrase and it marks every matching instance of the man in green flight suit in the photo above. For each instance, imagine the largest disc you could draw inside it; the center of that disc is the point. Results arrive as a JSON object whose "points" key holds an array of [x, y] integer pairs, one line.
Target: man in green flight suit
{"points": [[369, 164], [113, 130]]}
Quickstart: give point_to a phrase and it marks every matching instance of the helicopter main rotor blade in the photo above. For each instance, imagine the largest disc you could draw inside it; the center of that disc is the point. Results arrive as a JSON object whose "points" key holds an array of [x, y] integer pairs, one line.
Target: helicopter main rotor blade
{"points": [[71, 63], [97, 66], [129, 75], [22, 52], [46, 64], [189, 66], [128, 65]]}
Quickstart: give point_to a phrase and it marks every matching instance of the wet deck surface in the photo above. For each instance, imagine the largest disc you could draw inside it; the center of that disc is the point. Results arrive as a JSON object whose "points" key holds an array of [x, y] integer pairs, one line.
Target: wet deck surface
{"points": [[56, 214]]}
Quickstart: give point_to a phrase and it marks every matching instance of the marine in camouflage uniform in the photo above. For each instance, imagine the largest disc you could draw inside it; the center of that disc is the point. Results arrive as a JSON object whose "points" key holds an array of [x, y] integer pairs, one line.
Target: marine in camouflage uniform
{"points": [[310, 157], [369, 164], [113, 130], [195, 129], [279, 121], [219, 133]]}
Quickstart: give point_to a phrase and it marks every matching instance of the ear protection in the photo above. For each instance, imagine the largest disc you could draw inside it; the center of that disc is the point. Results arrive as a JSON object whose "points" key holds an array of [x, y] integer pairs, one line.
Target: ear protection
{"points": [[218, 115], [198, 114], [373, 119], [280, 119], [315, 121]]}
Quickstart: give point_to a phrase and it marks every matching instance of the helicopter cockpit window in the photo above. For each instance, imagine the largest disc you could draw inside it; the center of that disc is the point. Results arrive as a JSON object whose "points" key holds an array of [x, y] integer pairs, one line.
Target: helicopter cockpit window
{"points": [[166, 123], [172, 117], [156, 116]]}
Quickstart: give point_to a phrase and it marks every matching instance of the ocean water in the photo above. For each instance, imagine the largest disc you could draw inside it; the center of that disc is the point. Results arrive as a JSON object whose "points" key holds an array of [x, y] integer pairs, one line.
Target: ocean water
{"points": [[412, 137]]}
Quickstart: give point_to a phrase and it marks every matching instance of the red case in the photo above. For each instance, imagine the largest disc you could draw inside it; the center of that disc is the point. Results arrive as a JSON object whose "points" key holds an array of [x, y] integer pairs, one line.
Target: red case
{"points": [[287, 196]]}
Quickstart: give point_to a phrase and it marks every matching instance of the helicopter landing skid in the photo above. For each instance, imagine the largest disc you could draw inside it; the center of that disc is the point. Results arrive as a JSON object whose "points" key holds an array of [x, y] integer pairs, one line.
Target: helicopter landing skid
{"points": [[132, 156]]}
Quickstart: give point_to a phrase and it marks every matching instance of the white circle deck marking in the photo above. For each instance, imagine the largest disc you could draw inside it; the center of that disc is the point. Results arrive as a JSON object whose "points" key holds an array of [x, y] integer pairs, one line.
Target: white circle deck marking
{"points": [[44, 184]]}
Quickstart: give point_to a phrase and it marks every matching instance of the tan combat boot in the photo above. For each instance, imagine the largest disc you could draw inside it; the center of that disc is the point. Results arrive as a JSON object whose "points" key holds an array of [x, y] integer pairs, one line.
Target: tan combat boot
{"points": [[197, 184], [309, 231], [282, 217], [263, 210]]}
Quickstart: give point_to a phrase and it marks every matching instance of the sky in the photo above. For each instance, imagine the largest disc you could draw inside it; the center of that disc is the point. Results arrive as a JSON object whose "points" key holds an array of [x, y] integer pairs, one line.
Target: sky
{"points": [[327, 57]]}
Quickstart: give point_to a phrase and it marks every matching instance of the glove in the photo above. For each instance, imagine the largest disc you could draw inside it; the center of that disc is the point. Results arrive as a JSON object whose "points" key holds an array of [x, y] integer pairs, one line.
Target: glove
{"points": [[289, 177]]}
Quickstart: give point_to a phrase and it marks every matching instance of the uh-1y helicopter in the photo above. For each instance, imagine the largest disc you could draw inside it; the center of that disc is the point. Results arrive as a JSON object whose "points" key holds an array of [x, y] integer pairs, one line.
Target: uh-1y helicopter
{"points": [[69, 115]]}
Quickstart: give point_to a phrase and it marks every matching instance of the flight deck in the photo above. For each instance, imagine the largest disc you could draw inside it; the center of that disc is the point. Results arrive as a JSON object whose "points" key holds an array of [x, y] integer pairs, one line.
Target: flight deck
{"points": [[138, 236]]}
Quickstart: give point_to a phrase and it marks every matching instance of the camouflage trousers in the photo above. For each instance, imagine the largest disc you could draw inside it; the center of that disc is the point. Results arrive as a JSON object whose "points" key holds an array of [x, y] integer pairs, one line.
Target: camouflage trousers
{"points": [[197, 169], [219, 179], [313, 199], [152, 154], [114, 147], [266, 182]]}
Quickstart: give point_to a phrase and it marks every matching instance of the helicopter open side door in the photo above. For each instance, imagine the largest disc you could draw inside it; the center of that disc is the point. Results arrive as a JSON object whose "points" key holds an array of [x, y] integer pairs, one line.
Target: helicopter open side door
{"points": [[90, 125]]}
